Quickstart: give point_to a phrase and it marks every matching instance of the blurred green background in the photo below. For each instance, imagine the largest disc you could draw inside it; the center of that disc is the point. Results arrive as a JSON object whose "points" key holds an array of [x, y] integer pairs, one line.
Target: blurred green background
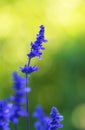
{"points": [[61, 79]]}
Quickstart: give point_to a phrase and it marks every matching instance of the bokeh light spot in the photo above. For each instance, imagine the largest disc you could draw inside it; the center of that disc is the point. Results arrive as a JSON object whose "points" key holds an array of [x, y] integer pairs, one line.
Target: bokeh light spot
{"points": [[78, 117], [6, 23]]}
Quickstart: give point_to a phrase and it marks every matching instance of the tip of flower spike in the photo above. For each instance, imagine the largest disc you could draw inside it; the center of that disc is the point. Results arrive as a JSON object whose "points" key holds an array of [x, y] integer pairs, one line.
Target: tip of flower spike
{"points": [[42, 26], [15, 75], [18, 78], [37, 46], [54, 112], [38, 113], [41, 32], [55, 119]]}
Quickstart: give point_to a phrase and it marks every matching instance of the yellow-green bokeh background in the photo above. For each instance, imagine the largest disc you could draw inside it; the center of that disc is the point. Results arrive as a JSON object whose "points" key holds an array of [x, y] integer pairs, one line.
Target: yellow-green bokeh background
{"points": [[61, 79]]}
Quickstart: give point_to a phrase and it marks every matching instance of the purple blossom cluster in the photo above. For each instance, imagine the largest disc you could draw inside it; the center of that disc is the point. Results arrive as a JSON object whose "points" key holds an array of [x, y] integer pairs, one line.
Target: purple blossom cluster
{"points": [[35, 51], [19, 98], [45, 122], [42, 122], [36, 47], [55, 119], [4, 115], [16, 106]]}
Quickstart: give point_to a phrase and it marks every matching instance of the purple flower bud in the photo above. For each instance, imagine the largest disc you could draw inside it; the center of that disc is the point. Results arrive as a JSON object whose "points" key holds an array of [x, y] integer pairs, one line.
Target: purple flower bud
{"points": [[4, 115]]}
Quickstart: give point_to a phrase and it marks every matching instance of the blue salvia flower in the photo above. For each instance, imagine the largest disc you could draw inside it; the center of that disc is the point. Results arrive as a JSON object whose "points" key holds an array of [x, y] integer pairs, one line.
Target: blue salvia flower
{"points": [[18, 98], [5, 113], [36, 48], [55, 119], [42, 122], [35, 51]]}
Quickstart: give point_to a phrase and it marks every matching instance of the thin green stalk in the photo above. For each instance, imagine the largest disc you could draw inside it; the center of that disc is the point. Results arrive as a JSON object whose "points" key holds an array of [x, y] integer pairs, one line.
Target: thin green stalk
{"points": [[27, 105]]}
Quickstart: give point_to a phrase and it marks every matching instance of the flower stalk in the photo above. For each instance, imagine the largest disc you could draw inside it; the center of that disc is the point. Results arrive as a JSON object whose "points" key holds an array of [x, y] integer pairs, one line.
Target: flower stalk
{"points": [[27, 106], [16, 126], [35, 51]]}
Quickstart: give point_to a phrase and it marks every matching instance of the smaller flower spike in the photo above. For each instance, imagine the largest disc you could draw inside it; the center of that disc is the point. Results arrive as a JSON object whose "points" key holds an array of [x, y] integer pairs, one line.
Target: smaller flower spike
{"points": [[19, 98], [4, 115], [43, 121], [55, 119]]}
